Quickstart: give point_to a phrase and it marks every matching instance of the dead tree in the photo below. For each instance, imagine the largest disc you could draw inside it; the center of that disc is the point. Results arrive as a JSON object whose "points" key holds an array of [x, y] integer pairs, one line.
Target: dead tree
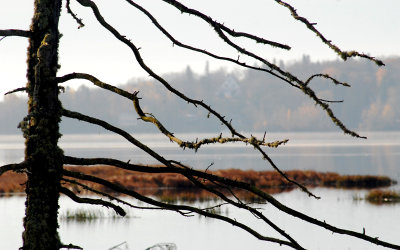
{"points": [[44, 159]]}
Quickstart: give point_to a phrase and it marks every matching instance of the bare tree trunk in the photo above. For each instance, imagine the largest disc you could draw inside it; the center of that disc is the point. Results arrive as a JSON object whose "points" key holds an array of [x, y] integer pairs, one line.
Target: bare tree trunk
{"points": [[41, 130]]}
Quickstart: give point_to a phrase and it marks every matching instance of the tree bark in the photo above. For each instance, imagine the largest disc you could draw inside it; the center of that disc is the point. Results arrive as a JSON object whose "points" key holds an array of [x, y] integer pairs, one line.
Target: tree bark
{"points": [[41, 130]]}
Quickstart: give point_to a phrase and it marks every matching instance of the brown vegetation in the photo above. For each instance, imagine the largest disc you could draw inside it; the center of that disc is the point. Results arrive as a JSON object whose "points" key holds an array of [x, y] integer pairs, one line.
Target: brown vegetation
{"points": [[382, 196], [170, 187], [11, 182]]}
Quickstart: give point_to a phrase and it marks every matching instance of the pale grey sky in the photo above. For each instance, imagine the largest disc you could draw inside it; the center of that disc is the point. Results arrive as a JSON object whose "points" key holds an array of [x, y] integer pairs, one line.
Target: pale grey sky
{"points": [[370, 26]]}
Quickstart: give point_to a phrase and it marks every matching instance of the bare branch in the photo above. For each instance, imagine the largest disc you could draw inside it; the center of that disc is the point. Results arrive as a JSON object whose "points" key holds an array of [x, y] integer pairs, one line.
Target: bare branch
{"points": [[110, 197], [16, 90], [13, 167], [311, 26], [14, 32], [98, 83], [126, 135], [101, 202], [196, 145], [74, 16], [308, 91], [327, 77], [220, 26]]}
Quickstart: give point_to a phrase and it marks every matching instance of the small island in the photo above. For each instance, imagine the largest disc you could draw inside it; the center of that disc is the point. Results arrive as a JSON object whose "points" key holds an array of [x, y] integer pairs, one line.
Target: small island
{"points": [[174, 187]]}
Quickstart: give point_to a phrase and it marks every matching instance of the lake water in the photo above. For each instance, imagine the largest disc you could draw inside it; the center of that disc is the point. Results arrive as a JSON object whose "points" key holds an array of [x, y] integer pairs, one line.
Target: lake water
{"points": [[380, 154]]}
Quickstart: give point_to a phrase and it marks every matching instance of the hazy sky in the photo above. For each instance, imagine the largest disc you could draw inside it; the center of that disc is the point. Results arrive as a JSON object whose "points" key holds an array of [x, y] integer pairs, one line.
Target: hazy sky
{"points": [[370, 26]]}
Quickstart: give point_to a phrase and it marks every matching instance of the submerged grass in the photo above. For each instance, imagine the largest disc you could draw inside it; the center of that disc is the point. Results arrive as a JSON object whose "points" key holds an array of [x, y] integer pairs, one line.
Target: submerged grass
{"points": [[88, 215], [82, 215]]}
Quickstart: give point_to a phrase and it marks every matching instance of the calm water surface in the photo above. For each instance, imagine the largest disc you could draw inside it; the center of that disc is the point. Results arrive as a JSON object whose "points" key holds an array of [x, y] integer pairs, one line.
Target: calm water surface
{"points": [[146, 228], [380, 154]]}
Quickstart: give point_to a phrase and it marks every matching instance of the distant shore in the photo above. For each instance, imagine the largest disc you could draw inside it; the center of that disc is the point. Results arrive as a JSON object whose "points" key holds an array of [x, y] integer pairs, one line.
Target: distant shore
{"points": [[174, 186]]}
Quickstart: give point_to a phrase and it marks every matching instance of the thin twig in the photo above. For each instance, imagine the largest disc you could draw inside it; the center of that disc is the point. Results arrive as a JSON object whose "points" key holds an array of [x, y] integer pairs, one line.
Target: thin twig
{"points": [[16, 90], [327, 77], [311, 26], [74, 16]]}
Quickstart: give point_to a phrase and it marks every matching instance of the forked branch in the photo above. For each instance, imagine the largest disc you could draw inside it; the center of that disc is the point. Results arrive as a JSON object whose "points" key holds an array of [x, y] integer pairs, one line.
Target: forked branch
{"points": [[311, 26]]}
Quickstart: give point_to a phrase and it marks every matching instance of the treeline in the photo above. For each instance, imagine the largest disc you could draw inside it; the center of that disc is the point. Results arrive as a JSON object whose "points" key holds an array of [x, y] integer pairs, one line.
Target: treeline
{"points": [[255, 101]]}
